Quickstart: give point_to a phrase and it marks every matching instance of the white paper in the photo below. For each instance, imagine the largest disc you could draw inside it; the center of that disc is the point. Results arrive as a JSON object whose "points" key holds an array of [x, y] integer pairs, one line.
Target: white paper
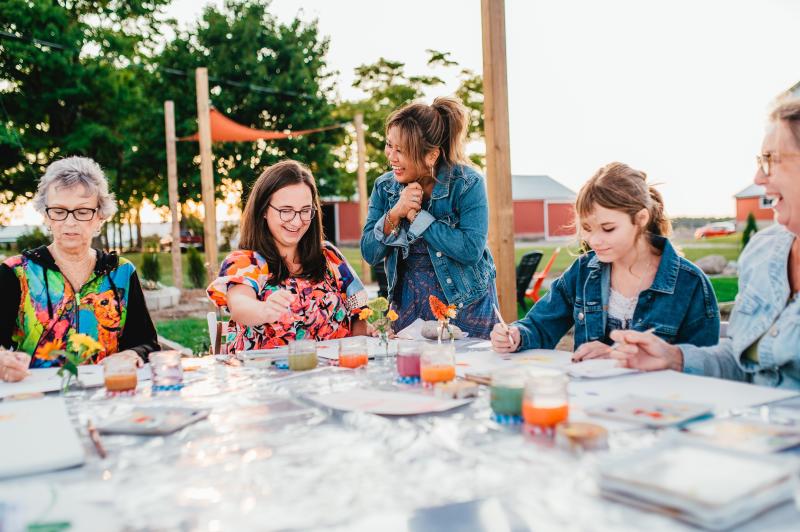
{"points": [[387, 403], [598, 368], [479, 362], [43, 380], [673, 385]]}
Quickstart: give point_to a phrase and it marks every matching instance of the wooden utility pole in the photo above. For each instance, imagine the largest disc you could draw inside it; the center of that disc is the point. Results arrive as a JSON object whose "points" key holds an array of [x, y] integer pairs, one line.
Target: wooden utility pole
{"points": [[498, 153], [363, 198], [172, 187], [206, 172]]}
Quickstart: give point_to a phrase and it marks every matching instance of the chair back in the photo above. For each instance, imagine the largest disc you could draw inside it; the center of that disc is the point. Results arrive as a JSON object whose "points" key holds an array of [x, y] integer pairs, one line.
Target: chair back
{"points": [[525, 270], [217, 330]]}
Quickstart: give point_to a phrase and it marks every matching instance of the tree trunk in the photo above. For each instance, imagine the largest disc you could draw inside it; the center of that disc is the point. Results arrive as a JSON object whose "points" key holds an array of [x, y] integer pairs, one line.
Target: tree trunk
{"points": [[139, 239]]}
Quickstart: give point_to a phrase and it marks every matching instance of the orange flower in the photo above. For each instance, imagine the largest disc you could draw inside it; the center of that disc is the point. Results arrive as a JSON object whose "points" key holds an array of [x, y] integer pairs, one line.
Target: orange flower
{"points": [[364, 314], [392, 315], [441, 311], [49, 350]]}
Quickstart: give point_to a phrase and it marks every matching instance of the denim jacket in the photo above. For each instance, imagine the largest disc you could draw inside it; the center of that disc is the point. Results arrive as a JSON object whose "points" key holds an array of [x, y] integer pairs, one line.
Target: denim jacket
{"points": [[680, 304], [763, 310], [455, 228]]}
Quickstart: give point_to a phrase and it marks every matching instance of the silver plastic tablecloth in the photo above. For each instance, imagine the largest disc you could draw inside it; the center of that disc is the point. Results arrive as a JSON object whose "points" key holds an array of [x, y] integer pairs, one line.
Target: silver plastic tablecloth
{"points": [[245, 468]]}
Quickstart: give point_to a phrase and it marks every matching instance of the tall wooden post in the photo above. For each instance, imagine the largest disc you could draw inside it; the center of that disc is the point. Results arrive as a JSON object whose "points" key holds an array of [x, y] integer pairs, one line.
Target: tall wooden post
{"points": [[206, 172], [172, 187], [498, 154], [363, 198]]}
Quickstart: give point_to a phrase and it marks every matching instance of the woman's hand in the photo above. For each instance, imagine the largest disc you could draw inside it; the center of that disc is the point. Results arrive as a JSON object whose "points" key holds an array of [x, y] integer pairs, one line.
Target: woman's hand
{"points": [[645, 351], [128, 353], [410, 202], [500, 338], [277, 304], [14, 366], [591, 350]]}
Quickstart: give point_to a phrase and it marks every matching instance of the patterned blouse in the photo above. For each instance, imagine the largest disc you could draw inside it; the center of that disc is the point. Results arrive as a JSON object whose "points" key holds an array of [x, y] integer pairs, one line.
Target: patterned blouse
{"points": [[322, 311]]}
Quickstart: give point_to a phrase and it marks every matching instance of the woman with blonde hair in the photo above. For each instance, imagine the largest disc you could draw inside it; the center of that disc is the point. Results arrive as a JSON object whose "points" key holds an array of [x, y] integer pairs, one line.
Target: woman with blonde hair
{"points": [[630, 278]]}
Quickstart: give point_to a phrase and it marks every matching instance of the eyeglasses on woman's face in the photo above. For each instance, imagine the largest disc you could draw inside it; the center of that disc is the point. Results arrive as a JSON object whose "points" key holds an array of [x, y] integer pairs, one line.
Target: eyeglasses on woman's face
{"points": [[769, 158], [287, 214], [59, 214]]}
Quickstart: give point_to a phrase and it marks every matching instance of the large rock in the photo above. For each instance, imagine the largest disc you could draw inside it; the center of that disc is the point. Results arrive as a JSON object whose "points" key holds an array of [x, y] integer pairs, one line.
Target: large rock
{"points": [[712, 264], [166, 297]]}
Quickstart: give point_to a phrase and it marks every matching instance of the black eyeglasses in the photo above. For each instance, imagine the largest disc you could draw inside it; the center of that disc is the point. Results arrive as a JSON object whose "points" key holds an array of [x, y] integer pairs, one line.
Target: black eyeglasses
{"points": [[287, 215], [84, 214]]}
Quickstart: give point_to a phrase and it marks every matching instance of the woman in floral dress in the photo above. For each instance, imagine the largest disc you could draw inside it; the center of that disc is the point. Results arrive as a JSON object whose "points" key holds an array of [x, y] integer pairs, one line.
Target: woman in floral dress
{"points": [[285, 282]]}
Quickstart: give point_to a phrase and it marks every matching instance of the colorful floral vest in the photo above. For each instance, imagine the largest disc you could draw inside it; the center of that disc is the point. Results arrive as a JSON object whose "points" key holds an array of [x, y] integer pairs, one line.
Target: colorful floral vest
{"points": [[50, 311]]}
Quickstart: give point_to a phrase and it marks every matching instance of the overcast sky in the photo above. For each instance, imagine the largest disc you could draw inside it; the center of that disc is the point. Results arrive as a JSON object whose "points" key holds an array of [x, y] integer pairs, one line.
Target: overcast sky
{"points": [[676, 88]]}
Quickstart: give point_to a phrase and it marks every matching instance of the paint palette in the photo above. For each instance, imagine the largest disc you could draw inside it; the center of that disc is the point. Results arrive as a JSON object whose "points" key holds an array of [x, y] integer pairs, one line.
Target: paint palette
{"points": [[649, 411]]}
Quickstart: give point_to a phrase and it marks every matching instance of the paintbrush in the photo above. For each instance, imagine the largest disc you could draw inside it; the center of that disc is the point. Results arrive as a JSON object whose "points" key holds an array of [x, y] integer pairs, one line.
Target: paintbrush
{"points": [[503, 322]]}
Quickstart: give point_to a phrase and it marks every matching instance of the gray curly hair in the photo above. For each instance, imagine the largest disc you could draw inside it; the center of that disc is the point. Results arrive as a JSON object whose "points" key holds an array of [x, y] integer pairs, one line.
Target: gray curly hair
{"points": [[72, 171]]}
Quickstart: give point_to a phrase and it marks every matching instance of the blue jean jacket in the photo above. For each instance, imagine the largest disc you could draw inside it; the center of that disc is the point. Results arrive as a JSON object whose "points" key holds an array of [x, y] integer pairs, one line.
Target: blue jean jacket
{"points": [[763, 310], [680, 304], [455, 228]]}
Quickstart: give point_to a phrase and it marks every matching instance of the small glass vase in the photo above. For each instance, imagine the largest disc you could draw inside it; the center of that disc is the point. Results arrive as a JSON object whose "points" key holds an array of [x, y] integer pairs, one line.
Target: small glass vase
{"points": [[383, 337]]}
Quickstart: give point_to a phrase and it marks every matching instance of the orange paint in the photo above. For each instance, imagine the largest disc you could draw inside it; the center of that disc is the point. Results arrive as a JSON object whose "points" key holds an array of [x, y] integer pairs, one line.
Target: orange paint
{"points": [[438, 373], [544, 417], [121, 383], [353, 360]]}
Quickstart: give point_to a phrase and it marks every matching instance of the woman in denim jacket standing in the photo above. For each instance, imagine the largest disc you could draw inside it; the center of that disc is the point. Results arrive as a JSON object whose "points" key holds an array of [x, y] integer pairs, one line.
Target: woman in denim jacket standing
{"points": [[428, 219], [764, 331], [631, 279]]}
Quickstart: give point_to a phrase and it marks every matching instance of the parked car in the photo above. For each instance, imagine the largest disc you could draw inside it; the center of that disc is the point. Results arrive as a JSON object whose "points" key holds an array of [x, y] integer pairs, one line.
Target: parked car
{"points": [[188, 240], [715, 229]]}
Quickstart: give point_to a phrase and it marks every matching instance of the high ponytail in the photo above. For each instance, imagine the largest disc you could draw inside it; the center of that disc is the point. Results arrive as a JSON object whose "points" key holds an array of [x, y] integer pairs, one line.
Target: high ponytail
{"points": [[423, 128]]}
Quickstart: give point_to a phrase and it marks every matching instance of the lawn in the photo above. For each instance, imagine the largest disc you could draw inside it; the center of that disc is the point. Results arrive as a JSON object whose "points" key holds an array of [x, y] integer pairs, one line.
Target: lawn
{"points": [[189, 332]]}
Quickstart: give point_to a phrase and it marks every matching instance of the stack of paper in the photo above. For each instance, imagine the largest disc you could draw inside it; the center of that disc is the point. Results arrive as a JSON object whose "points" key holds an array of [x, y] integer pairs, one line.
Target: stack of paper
{"points": [[712, 488]]}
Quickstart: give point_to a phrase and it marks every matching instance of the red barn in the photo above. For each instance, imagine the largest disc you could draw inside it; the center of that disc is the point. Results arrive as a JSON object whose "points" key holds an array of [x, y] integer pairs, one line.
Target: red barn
{"points": [[543, 208], [752, 199]]}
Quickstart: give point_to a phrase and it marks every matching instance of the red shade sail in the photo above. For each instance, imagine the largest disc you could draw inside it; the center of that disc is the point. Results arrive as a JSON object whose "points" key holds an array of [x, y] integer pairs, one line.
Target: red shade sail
{"points": [[223, 129]]}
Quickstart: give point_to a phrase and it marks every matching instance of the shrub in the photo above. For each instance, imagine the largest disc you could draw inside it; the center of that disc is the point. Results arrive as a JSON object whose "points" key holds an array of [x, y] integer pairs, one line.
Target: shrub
{"points": [[32, 240], [197, 268], [151, 243], [750, 228], [151, 268], [228, 231]]}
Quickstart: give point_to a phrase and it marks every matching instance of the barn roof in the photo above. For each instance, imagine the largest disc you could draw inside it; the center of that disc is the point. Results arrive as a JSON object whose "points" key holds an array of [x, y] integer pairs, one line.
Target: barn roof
{"points": [[752, 191], [539, 187]]}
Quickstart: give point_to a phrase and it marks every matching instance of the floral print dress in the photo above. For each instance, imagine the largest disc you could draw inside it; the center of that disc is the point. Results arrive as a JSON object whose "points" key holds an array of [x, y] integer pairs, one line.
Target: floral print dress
{"points": [[323, 311]]}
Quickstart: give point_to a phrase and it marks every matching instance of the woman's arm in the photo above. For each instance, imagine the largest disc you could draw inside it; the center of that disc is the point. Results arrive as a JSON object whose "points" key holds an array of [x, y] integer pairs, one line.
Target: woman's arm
{"points": [[9, 308], [139, 333], [247, 310], [465, 241], [376, 244]]}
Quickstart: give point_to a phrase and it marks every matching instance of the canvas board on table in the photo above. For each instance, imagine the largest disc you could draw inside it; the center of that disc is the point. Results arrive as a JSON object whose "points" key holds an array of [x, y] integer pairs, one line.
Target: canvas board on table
{"points": [[44, 380]]}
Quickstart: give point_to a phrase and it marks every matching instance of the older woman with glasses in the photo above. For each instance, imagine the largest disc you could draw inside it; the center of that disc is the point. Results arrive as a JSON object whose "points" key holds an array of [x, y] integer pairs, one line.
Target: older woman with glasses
{"points": [[764, 330], [285, 282], [54, 292]]}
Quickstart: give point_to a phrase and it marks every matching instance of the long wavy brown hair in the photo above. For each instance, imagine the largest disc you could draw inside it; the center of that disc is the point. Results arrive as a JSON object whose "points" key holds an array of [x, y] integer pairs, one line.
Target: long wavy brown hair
{"points": [[255, 233]]}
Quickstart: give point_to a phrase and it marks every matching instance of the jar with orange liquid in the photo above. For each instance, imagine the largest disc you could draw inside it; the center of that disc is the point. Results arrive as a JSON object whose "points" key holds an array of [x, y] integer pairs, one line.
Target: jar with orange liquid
{"points": [[545, 402], [353, 352], [437, 363], [119, 374]]}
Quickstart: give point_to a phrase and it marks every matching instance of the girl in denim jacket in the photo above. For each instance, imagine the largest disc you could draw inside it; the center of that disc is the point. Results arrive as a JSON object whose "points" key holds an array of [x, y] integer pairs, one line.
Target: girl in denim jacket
{"points": [[631, 279], [761, 345], [428, 219]]}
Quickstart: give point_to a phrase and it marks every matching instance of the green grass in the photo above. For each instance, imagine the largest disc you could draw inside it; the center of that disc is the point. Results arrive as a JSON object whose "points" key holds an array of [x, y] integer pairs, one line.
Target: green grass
{"points": [[726, 288], [165, 261], [189, 332]]}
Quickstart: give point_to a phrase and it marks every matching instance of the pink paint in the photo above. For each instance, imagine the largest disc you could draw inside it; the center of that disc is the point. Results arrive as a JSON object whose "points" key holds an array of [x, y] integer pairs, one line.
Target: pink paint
{"points": [[408, 364]]}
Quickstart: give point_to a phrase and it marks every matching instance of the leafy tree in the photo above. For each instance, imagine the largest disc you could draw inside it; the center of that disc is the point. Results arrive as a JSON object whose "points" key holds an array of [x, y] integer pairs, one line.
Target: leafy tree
{"points": [[389, 87], [197, 268], [32, 239], [68, 72], [750, 228], [263, 74]]}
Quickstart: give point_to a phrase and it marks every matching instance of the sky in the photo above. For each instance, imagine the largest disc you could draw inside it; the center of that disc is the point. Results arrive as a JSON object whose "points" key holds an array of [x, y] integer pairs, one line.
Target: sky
{"points": [[677, 88]]}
